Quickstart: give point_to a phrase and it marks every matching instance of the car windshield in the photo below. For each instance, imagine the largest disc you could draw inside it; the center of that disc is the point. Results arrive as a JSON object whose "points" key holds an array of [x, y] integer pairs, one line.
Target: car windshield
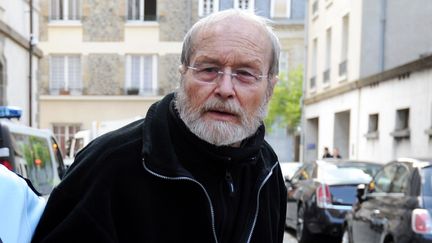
{"points": [[427, 181], [369, 168], [333, 174]]}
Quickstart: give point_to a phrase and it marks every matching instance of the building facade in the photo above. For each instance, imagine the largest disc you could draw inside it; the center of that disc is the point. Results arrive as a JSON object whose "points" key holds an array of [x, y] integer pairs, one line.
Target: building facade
{"points": [[110, 60], [18, 86], [368, 85]]}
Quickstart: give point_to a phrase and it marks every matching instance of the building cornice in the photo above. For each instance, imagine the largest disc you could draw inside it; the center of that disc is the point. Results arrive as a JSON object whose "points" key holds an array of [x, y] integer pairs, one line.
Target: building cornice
{"points": [[98, 98], [18, 38], [397, 72]]}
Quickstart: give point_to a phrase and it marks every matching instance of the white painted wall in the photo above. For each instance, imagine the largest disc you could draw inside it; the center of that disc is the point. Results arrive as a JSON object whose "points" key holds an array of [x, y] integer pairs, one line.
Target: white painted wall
{"points": [[16, 15], [325, 111], [414, 93]]}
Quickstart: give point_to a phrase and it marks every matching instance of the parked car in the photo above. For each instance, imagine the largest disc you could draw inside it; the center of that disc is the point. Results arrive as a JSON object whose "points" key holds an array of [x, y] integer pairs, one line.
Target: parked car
{"points": [[30, 152], [289, 168], [319, 195], [395, 207]]}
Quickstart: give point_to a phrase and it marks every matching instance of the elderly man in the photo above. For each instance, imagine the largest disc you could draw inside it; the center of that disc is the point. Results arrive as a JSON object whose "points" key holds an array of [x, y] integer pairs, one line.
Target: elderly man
{"points": [[197, 168]]}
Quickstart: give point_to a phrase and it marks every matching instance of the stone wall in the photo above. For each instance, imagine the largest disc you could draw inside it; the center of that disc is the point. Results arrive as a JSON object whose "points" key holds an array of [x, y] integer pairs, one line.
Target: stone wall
{"points": [[103, 74], [175, 18], [43, 75], [168, 75], [103, 20]]}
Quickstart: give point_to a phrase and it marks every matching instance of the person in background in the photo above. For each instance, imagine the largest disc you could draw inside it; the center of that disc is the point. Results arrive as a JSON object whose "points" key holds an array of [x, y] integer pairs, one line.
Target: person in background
{"points": [[21, 207], [326, 153], [197, 168], [336, 153]]}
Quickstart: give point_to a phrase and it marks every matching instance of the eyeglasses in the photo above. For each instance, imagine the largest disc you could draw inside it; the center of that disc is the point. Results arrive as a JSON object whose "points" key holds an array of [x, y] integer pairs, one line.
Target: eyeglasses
{"points": [[208, 73]]}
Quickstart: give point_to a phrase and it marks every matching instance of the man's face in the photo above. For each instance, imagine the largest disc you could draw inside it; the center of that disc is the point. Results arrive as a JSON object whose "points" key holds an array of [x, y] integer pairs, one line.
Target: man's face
{"points": [[225, 111]]}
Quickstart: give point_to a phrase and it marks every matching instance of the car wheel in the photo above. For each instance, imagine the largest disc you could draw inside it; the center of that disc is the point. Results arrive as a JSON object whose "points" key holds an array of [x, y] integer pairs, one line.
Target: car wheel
{"points": [[346, 237], [302, 232]]}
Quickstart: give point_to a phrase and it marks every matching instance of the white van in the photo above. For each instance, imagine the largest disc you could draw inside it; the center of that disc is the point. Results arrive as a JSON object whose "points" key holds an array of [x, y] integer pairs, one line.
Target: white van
{"points": [[32, 153]]}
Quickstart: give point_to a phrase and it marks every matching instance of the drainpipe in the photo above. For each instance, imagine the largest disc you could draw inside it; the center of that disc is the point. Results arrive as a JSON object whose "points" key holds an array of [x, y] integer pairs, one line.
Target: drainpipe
{"points": [[30, 96], [305, 67], [383, 20]]}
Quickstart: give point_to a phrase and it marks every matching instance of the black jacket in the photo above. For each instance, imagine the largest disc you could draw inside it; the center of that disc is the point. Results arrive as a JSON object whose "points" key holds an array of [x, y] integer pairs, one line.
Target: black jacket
{"points": [[154, 181]]}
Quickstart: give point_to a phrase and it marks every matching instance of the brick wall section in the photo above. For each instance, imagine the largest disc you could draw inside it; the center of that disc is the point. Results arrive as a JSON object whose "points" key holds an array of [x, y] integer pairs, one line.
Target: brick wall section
{"points": [[103, 20], [168, 75], [103, 74], [175, 18], [43, 20], [43, 75]]}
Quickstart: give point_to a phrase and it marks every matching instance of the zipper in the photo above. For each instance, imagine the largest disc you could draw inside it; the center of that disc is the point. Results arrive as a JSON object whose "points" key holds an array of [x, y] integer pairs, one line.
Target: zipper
{"points": [[257, 208], [230, 183], [184, 178]]}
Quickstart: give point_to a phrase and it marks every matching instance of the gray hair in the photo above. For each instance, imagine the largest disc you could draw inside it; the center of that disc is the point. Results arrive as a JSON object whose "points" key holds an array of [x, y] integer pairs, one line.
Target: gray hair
{"points": [[188, 41]]}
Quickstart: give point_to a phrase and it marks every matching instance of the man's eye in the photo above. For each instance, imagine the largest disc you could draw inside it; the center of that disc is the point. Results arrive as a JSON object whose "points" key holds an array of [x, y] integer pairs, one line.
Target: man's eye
{"points": [[244, 73], [209, 70]]}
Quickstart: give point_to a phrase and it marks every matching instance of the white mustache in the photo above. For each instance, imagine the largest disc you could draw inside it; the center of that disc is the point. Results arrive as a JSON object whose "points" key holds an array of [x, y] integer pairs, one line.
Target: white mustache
{"points": [[227, 107]]}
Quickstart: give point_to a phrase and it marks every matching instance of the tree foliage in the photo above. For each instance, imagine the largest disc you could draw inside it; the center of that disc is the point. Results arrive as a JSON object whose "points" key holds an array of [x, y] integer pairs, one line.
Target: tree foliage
{"points": [[285, 105]]}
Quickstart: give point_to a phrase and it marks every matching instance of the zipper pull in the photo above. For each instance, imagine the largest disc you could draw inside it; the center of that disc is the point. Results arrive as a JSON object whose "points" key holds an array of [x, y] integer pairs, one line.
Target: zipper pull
{"points": [[230, 183]]}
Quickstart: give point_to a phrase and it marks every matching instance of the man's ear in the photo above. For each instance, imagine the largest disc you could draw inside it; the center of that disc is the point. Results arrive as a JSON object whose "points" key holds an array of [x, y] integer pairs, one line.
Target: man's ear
{"points": [[181, 69], [274, 80]]}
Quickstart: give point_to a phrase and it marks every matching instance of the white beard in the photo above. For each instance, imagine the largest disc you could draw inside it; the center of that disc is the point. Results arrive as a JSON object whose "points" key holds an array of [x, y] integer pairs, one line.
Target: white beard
{"points": [[219, 132]]}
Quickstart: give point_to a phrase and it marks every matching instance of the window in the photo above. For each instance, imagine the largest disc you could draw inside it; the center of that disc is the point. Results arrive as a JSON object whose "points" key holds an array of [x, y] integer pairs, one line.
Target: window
{"points": [[65, 75], [2, 86], [65, 10], [206, 7], [315, 7], [141, 74], [429, 130], [326, 74], [283, 63], [281, 8], [141, 10], [312, 83], [244, 4], [372, 126], [383, 179], [344, 50], [33, 153], [64, 134], [400, 180], [402, 124]]}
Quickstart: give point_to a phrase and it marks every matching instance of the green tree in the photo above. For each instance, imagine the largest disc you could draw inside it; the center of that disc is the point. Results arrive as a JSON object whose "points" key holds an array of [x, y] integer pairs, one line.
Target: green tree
{"points": [[285, 106]]}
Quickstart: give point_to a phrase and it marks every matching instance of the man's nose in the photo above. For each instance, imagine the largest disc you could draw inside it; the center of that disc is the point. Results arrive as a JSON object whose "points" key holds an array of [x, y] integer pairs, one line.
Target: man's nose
{"points": [[225, 85]]}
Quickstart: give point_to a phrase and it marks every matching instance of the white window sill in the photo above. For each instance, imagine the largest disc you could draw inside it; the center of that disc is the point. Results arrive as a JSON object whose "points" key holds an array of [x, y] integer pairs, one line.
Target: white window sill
{"points": [[372, 135], [342, 78], [399, 134], [65, 23], [140, 23]]}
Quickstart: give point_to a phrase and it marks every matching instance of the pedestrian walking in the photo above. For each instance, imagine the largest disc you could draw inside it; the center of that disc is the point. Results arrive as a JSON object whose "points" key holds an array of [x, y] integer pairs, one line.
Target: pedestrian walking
{"points": [[197, 168]]}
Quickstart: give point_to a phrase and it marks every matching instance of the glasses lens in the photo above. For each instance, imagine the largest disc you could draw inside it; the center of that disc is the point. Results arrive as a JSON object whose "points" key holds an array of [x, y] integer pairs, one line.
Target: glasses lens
{"points": [[246, 76], [206, 74]]}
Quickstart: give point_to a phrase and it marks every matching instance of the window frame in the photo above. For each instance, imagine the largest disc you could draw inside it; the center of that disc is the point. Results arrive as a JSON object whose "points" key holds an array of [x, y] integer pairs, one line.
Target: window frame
{"points": [[141, 12], [65, 87], [64, 15], [251, 5], [141, 89], [201, 10]]}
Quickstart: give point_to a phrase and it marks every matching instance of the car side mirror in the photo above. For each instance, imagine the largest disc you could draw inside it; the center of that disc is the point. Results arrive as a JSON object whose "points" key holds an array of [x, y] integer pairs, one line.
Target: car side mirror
{"points": [[360, 193]]}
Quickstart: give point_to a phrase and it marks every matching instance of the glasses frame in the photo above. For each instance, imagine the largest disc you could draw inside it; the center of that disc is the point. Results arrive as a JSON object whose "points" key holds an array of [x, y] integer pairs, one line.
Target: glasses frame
{"points": [[220, 73]]}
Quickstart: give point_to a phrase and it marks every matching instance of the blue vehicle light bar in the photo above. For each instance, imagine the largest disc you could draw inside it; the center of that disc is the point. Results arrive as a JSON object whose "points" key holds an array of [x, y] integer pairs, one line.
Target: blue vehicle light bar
{"points": [[10, 112]]}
